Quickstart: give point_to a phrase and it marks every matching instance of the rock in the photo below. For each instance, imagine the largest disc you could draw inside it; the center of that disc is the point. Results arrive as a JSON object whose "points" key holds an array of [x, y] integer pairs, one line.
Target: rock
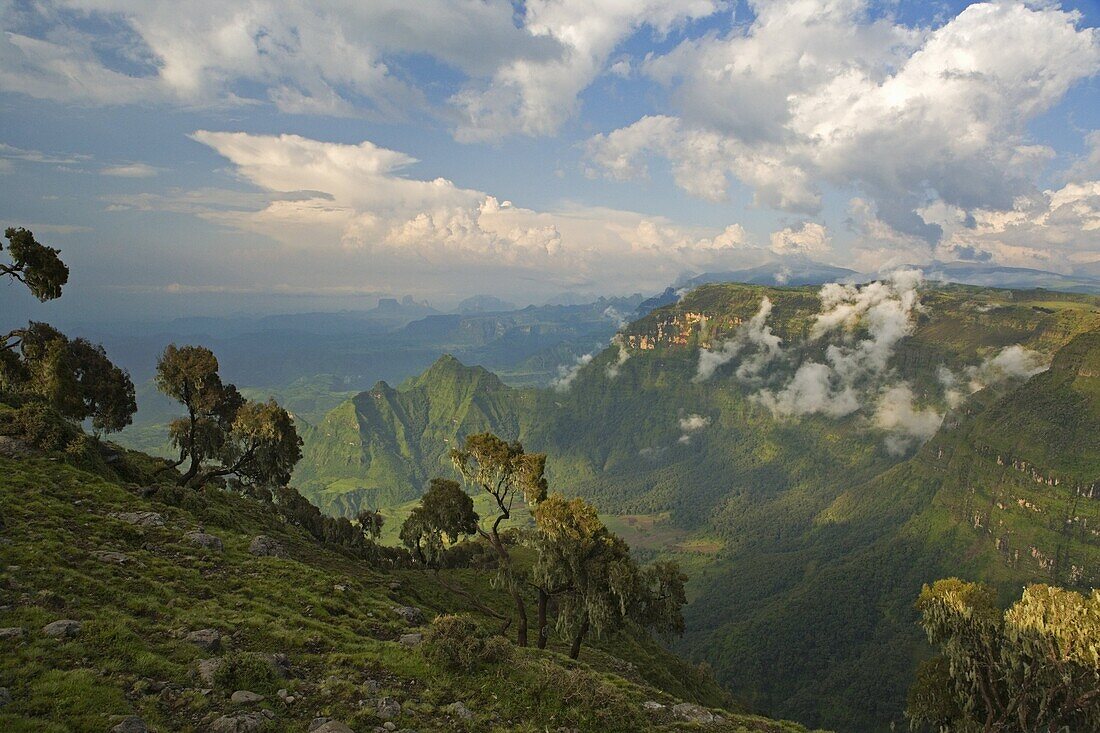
{"points": [[202, 539], [208, 668], [240, 722], [693, 713], [206, 639], [113, 558], [389, 725], [331, 726], [316, 723], [142, 519], [244, 697], [388, 708], [411, 639], [458, 710], [265, 546], [280, 663], [394, 586], [63, 629], [131, 724], [413, 616], [371, 687], [12, 633], [5, 696], [652, 706]]}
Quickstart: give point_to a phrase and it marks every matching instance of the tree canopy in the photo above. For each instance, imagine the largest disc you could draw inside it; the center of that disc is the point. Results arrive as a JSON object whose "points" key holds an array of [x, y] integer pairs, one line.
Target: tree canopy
{"points": [[445, 513], [35, 265], [1034, 667]]}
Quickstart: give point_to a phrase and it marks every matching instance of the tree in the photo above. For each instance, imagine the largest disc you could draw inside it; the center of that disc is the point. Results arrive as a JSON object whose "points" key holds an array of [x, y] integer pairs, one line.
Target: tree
{"points": [[35, 265], [74, 376], [189, 375], [445, 513], [256, 442], [600, 586], [504, 471], [1034, 667], [371, 521]]}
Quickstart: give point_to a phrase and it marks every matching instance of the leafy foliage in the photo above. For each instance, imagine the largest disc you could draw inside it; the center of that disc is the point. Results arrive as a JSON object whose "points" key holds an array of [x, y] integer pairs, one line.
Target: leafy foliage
{"points": [[458, 644], [446, 512], [35, 265]]}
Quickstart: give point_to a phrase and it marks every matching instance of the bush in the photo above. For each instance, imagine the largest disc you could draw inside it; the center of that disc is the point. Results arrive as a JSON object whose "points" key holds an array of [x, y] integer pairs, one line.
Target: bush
{"points": [[41, 426], [458, 644], [246, 671]]}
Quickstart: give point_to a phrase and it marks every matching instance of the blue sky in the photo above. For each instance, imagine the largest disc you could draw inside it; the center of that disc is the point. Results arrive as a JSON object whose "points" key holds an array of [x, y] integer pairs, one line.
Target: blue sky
{"points": [[266, 156]]}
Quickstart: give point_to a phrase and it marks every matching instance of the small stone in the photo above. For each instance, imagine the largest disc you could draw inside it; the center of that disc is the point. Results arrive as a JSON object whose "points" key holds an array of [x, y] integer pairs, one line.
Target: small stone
{"points": [[652, 706], [413, 616], [207, 541], [141, 519], [113, 558], [206, 639], [459, 710], [411, 639], [389, 725], [244, 697], [265, 546], [282, 694], [239, 723], [394, 586], [316, 723], [331, 726], [388, 708], [371, 687], [63, 629], [131, 724], [12, 633], [289, 700], [5, 696]]}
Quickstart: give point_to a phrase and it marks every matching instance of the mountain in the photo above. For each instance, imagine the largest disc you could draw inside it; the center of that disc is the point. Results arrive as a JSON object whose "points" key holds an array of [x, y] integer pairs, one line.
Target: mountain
{"points": [[808, 520], [791, 272], [484, 304], [978, 273]]}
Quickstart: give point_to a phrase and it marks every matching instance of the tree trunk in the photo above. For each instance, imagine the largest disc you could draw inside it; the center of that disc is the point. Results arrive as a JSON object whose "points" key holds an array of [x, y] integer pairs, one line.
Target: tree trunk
{"points": [[513, 589], [544, 632], [575, 649]]}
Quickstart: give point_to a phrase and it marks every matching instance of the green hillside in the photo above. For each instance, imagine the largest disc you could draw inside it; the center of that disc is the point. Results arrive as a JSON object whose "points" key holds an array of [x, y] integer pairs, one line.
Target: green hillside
{"points": [[787, 523], [112, 561]]}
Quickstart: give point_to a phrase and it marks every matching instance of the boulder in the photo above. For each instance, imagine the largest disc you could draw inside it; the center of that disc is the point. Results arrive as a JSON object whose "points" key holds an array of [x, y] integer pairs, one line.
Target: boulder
{"points": [[458, 710], [202, 539], [411, 639], [131, 724], [12, 633], [332, 726], [113, 558], [265, 546], [141, 519], [413, 616], [241, 722], [693, 713], [245, 697], [388, 708], [208, 668], [206, 639], [652, 706], [63, 629]]}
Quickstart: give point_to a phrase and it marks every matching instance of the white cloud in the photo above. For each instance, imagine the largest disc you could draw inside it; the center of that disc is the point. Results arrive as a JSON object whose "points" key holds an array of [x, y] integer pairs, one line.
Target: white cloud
{"points": [[907, 423], [809, 239], [432, 233], [756, 335], [826, 92], [129, 170], [691, 424], [568, 373]]}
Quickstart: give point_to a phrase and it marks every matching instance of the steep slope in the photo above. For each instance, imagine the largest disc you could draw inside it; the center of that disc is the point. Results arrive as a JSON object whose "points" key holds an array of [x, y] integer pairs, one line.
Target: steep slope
{"points": [[123, 571], [808, 535]]}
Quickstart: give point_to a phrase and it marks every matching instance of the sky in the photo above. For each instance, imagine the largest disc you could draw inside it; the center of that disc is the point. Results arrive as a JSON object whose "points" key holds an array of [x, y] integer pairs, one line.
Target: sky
{"points": [[247, 157]]}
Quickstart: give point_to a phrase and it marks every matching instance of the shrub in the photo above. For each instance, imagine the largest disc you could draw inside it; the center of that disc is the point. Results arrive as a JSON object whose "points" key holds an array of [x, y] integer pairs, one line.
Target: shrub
{"points": [[246, 671], [457, 643]]}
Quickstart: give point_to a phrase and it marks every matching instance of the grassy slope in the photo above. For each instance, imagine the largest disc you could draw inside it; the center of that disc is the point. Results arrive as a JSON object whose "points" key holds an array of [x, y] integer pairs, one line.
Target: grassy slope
{"points": [[331, 614]]}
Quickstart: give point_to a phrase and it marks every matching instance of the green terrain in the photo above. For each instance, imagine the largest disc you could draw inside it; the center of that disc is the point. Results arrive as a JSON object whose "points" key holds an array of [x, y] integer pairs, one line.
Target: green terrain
{"points": [[806, 537]]}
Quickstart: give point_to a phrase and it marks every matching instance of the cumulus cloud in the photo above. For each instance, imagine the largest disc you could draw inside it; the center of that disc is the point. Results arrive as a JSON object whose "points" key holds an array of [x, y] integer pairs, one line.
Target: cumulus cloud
{"points": [[621, 357], [691, 424], [755, 335], [1011, 362], [568, 373], [808, 239], [882, 312], [821, 92], [423, 234], [906, 423]]}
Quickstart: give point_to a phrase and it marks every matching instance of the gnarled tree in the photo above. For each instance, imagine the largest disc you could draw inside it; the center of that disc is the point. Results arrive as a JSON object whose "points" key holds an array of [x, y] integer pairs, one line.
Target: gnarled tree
{"points": [[35, 265], [505, 472]]}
